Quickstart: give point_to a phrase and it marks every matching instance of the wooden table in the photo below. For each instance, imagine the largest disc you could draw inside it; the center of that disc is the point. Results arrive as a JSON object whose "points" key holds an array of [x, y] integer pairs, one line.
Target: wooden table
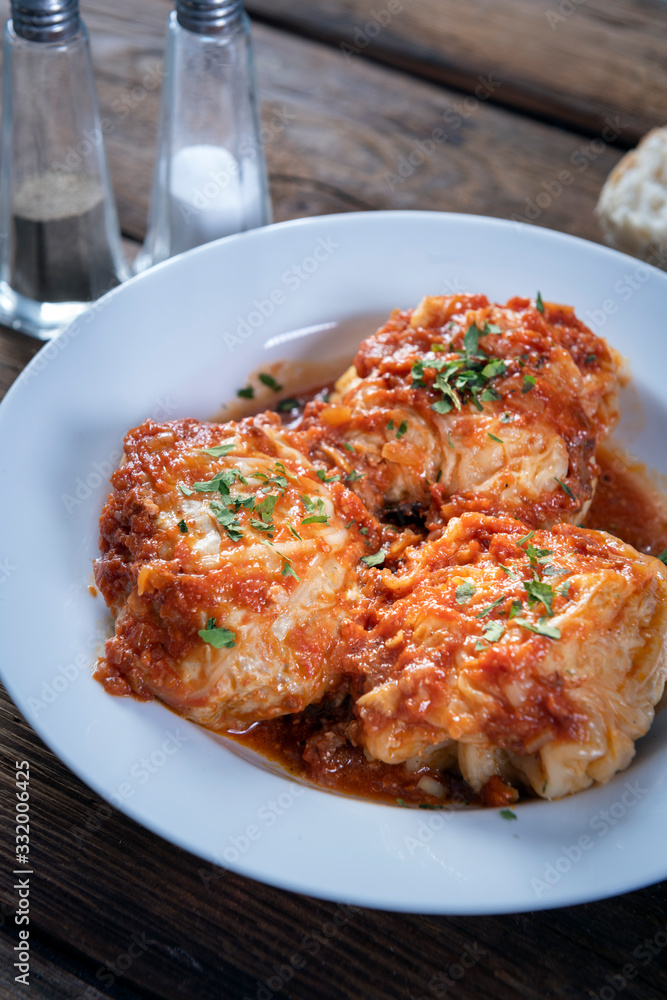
{"points": [[526, 89]]}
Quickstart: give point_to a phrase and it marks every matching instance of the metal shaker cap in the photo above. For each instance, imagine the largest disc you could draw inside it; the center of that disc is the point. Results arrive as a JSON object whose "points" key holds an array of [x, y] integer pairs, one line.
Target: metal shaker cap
{"points": [[45, 20], [208, 17]]}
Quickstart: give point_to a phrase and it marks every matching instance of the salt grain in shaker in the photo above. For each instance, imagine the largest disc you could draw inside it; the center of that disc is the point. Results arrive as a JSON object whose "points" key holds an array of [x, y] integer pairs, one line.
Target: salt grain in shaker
{"points": [[210, 174], [59, 239]]}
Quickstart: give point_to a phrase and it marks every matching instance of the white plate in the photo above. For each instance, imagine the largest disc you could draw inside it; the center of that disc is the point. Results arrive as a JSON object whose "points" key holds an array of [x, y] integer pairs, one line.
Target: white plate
{"points": [[162, 345]]}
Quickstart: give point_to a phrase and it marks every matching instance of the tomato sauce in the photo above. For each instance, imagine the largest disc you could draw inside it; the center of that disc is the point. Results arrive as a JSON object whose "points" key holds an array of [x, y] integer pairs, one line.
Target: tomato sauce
{"points": [[313, 744]]}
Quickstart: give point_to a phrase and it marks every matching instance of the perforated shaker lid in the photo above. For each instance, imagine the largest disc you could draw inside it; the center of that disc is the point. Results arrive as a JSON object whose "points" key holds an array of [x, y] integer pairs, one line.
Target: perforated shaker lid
{"points": [[45, 20]]}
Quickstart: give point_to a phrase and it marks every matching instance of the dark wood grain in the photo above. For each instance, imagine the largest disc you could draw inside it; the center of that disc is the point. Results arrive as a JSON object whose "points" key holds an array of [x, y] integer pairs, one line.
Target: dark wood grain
{"points": [[351, 136], [577, 62], [101, 882]]}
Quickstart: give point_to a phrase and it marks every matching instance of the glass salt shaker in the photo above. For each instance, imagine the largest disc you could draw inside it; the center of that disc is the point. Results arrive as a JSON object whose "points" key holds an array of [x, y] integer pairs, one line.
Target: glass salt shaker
{"points": [[60, 243], [210, 174]]}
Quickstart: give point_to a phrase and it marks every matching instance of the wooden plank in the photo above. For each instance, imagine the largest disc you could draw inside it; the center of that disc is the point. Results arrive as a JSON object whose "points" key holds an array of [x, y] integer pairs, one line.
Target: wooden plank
{"points": [[350, 136], [578, 62], [101, 883]]}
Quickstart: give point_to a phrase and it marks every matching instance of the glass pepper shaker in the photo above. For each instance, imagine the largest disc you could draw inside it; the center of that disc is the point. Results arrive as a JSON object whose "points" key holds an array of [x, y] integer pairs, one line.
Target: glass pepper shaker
{"points": [[60, 244], [210, 174]]}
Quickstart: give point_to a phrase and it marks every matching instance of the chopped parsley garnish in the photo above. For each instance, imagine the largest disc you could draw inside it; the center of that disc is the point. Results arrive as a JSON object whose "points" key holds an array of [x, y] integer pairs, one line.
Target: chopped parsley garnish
{"points": [[352, 477], [663, 557], [287, 569], [247, 393], [508, 814], [218, 637], [182, 527], [493, 631], [262, 526], [516, 607], [526, 538], [390, 425], [528, 383], [464, 591], [494, 438], [538, 555], [220, 450], [489, 607], [402, 429], [322, 476], [285, 405], [375, 560], [227, 520], [550, 570], [565, 487], [348, 446], [363, 531], [590, 358], [265, 508], [220, 482], [506, 418], [540, 593], [187, 492], [565, 589], [316, 511], [509, 572], [491, 328], [437, 348], [449, 442], [539, 304], [465, 378], [294, 532], [269, 381], [237, 502], [541, 628]]}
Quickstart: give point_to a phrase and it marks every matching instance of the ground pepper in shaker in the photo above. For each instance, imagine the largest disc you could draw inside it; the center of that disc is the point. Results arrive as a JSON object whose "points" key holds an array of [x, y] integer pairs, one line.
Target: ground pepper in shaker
{"points": [[210, 174], [60, 244]]}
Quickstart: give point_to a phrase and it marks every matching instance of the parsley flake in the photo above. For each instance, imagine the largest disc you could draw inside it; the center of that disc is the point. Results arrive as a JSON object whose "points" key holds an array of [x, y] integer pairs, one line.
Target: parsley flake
{"points": [[540, 593], [494, 438], [220, 638], [506, 418], [247, 393], [285, 405], [493, 631], [348, 446], [489, 607], [227, 520], [402, 429], [508, 814], [464, 591], [539, 304], [541, 628], [528, 383], [322, 476], [220, 450], [565, 487], [187, 492], [663, 557], [353, 476], [182, 527], [375, 560], [270, 382], [526, 538], [287, 569]]}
